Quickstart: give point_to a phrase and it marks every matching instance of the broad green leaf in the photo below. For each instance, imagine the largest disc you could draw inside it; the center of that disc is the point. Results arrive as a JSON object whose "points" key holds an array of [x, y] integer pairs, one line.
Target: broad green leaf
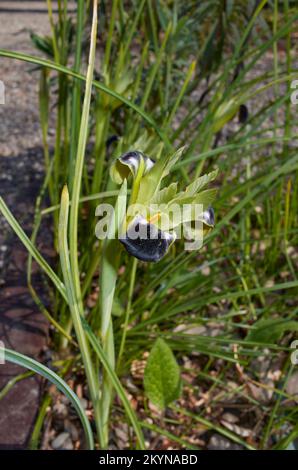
{"points": [[270, 330], [172, 160], [200, 183], [162, 380], [165, 195], [168, 217], [184, 210], [150, 183], [206, 197]]}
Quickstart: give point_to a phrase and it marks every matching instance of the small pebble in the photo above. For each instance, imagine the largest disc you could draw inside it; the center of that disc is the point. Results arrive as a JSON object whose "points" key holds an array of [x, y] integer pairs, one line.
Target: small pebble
{"points": [[84, 403], [72, 429], [60, 440]]}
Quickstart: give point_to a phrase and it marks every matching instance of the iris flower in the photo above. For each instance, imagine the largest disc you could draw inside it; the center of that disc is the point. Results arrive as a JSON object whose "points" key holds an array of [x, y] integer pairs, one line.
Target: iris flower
{"points": [[143, 233]]}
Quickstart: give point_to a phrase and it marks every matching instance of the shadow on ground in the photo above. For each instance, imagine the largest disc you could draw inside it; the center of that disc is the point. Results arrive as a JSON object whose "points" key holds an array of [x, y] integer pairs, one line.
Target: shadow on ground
{"points": [[22, 326]]}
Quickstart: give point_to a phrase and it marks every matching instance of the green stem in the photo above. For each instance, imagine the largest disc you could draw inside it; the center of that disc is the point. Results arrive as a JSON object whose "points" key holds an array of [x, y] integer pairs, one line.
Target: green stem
{"points": [[4, 391], [74, 210], [100, 86], [35, 436], [277, 404], [108, 277], [127, 311], [76, 310], [101, 132], [110, 35], [76, 107], [53, 31]]}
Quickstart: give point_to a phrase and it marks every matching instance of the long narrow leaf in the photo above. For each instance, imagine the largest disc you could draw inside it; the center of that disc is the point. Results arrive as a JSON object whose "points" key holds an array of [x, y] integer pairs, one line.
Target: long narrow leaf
{"points": [[31, 248], [31, 364], [75, 307], [116, 383], [98, 85]]}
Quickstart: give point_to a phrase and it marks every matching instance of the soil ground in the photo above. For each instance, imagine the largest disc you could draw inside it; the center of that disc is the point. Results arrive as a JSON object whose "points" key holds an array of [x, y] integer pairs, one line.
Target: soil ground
{"points": [[22, 327]]}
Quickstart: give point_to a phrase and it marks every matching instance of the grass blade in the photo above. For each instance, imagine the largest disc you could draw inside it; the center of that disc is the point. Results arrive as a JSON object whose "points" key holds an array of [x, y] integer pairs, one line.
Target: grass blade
{"points": [[116, 383], [60, 68], [75, 308], [31, 364], [31, 248], [79, 163]]}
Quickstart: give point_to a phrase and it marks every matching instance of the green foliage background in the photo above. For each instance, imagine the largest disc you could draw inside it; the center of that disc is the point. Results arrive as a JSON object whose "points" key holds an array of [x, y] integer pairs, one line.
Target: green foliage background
{"points": [[214, 76]]}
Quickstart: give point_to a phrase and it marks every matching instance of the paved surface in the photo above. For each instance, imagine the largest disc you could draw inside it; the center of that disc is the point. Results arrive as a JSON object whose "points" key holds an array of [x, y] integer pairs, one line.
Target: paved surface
{"points": [[22, 327], [19, 127]]}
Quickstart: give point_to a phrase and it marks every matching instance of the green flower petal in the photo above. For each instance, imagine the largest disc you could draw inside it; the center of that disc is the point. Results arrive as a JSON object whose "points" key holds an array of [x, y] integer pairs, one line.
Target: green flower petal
{"points": [[129, 163]]}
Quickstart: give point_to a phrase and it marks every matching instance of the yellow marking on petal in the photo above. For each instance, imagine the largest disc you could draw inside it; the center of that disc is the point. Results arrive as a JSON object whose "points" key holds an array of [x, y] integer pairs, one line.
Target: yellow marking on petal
{"points": [[155, 218]]}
